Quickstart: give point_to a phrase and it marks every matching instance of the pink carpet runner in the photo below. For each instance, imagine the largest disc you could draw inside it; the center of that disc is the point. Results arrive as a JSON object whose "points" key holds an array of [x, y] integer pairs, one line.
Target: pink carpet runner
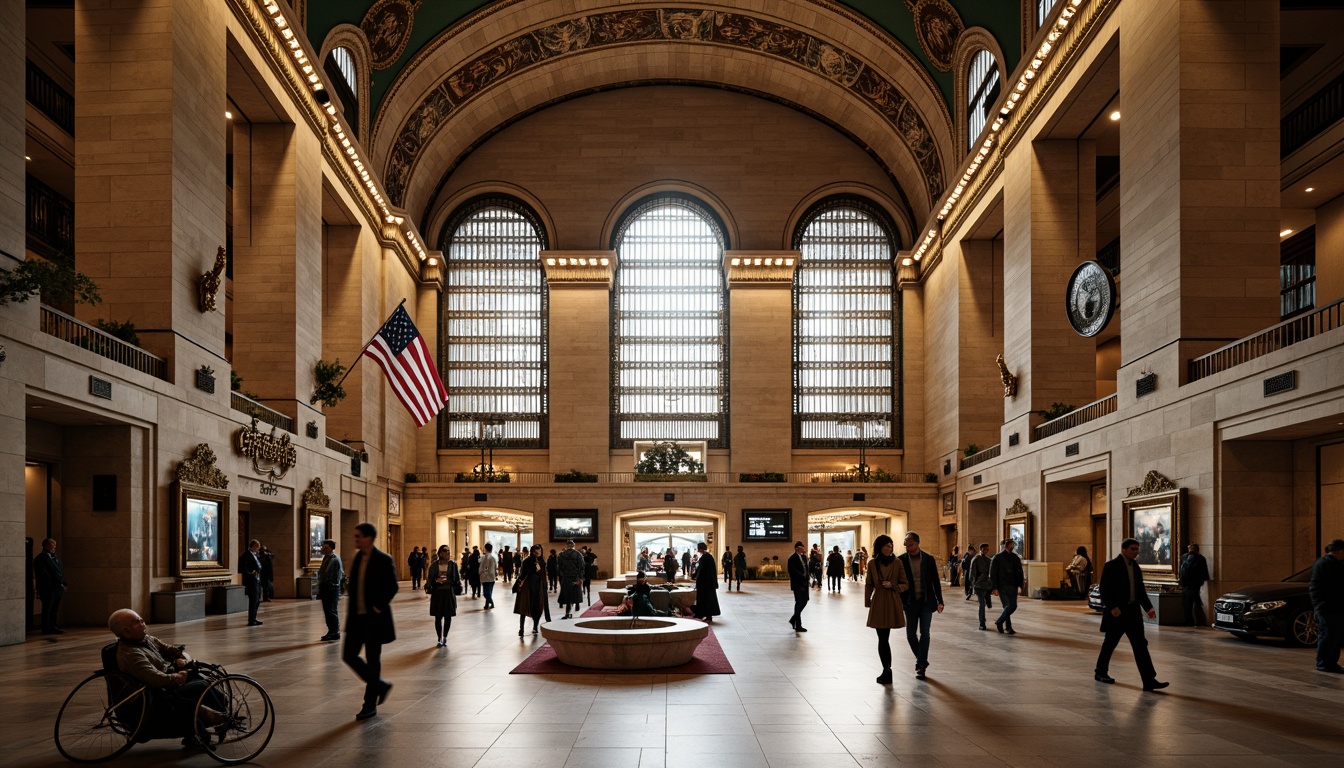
{"points": [[709, 659]]}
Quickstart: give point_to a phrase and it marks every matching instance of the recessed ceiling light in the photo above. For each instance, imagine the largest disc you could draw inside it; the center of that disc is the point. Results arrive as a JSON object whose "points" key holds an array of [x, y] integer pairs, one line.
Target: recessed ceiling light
{"points": [[28, 158], [1285, 233], [228, 115], [1115, 115], [1310, 189]]}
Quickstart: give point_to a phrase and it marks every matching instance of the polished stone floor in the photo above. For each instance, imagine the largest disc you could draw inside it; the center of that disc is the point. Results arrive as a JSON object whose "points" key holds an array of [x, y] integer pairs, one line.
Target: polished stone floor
{"points": [[795, 700]]}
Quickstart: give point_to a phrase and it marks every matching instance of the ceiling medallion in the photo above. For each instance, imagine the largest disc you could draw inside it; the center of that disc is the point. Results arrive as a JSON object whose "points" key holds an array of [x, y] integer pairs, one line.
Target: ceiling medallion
{"points": [[387, 25], [937, 25]]}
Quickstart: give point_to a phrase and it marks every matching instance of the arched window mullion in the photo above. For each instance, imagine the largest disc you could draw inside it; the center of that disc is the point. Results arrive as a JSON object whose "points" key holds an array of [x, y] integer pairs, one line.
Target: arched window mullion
{"points": [[983, 87], [494, 318]]}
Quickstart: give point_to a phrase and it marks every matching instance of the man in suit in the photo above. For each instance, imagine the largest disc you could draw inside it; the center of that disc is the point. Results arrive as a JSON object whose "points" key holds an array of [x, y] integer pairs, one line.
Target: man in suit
{"points": [[798, 582], [1194, 571], [1124, 601], [249, 565], [51, 584], [329, 588], [1005, 580], [368, 623], [924, 597], [1326, 590]]}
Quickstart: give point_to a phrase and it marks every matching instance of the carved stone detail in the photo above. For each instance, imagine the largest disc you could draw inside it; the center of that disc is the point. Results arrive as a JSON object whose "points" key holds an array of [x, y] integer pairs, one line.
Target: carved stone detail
{"points": [[1019, 509], [1009, 380], [201, 470], [315, 496], [1153, 482], [210, 281]]}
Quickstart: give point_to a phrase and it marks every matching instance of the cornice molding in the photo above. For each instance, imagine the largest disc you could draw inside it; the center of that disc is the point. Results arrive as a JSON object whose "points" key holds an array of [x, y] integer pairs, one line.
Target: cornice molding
{"points": [[579, 269], [760, 268]]}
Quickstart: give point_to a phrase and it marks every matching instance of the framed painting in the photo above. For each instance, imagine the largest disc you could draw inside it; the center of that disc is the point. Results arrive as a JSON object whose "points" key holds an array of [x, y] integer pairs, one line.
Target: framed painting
{"points": [[200, 522], [577, 524], [1157, 522], [1017, 528], [319, 530]]}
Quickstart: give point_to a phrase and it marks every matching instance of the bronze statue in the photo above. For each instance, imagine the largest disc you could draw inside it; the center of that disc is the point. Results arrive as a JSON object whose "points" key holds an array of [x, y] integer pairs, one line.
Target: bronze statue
{"points": [[210, 282], [1009, 380]]}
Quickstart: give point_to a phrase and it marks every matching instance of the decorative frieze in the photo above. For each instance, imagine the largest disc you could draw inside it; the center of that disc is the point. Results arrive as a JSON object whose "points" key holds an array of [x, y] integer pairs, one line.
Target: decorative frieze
{"points": [[1153, 482], [271, 456], [200, 469]]}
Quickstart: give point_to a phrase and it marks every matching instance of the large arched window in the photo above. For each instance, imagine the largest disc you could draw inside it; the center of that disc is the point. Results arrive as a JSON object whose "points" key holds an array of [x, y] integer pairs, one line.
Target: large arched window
{"points": [[981, 92], [493, 320], [669, 325], [340, 69], [846, 356]]}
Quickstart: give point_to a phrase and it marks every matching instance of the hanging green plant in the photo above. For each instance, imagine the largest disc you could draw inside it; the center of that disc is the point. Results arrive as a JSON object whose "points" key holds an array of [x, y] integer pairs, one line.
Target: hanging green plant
{"points": [[667, 458], [57, 283], [328, 392]]}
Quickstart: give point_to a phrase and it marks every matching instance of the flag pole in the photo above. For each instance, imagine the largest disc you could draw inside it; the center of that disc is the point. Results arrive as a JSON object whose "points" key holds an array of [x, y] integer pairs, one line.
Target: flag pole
{"points": [[360, 356]]}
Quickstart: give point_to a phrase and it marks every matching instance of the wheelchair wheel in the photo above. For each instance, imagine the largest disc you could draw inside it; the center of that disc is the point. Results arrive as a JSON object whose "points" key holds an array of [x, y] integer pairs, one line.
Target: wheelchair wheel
{"points": [[100, 718], [248, 719]]}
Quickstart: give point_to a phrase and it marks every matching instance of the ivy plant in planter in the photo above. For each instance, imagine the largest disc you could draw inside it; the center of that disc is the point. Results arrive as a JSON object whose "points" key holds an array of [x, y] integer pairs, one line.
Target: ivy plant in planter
{"points": [[328, 391], [468, 477], [761, 477], [575, 476], [667, 462]]}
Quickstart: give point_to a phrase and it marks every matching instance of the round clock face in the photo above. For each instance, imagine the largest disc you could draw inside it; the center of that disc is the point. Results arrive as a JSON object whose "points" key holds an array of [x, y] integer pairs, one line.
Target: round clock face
{"points": [[1090, 298]]}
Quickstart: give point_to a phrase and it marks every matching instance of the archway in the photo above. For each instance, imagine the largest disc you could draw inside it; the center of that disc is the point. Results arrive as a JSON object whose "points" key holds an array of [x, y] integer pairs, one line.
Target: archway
{"points": [[678, 528]]}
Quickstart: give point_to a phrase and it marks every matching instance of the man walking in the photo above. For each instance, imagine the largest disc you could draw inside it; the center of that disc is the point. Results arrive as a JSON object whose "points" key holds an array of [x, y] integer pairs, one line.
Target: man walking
{"points": [[267, 558], [1124, 601], [489, 572], [1327, 600], [51, 584], [249, 565], [1005, 580], [569, 567], [1194, 571], [799, 583], [966, 569], [977, 577], [329, 576], [368, 623], [924, 597], [416, 562], [739, 567], [953, 561], [506, 563]]}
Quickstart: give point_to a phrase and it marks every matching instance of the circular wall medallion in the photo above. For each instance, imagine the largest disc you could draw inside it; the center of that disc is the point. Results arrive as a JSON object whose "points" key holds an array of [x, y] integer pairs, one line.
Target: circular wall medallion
{"points": [[1090, 298]]}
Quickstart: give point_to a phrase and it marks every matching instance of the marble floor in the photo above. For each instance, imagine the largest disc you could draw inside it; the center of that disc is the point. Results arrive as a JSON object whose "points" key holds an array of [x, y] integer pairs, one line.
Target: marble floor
{"points": [[795, 700]]}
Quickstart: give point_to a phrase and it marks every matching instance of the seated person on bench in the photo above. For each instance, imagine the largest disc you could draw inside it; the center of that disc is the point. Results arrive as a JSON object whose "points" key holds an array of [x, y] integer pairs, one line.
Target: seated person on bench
{"points": [[637, 602], [162, 667]]}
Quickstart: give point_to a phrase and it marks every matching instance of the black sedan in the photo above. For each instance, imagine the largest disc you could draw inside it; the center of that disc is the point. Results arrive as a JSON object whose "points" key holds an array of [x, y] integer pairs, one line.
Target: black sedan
{"points": [[1279, 609], [1094, 598]]}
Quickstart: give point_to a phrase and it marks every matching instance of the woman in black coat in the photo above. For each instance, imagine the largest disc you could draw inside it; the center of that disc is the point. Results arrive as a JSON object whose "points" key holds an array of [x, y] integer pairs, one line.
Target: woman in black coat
{"points": [[706, 587], [835, 570], [442, 584], [532, 598]]}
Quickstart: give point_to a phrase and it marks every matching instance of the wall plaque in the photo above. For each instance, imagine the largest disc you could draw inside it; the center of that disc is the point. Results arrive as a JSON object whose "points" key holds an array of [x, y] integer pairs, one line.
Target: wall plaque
{"points": [[271, 456]]}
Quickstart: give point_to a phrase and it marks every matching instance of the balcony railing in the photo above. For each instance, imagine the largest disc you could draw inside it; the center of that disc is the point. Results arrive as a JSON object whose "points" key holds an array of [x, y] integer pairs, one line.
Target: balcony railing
{"points": [[991, 452], [67, 328], [1285, 334], [51, 223], [1323, 109], [1089, 412], [548, 478], [342, 448], [50, 98], [252, 408]]}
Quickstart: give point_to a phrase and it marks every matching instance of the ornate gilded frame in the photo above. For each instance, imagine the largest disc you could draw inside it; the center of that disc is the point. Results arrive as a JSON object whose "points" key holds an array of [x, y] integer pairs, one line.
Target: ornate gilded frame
{"points": [[1017, 526], [1154, 513], [202, 513], [317, 516]]}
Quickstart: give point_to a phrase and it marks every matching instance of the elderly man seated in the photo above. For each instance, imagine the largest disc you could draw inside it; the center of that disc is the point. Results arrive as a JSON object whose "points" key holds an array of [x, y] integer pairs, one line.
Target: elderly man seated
{"points": [[162, 667]]}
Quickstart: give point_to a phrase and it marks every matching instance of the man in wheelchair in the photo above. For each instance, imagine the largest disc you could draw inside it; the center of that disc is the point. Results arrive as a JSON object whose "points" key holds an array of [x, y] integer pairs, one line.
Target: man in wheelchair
{"points": [[164, 669]]}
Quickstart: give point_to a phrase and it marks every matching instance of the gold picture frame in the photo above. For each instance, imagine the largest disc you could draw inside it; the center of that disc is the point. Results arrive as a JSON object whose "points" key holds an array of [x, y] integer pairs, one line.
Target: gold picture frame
{"points": [[200, 532], [1018, 528], [1157, 521], [317, 516]]}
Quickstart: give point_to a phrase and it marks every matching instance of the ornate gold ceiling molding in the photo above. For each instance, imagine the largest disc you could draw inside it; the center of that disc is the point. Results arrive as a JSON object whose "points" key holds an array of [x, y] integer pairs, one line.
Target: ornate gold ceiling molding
{"points": [[579, 269], [748, 268]]}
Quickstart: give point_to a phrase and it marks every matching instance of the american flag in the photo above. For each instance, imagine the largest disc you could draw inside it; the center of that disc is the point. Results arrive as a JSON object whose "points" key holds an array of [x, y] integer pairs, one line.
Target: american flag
{"points": [[400, 350]]}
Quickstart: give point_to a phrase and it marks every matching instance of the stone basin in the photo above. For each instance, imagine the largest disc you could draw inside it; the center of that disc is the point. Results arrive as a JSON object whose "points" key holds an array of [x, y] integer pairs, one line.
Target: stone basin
{"points": [[611, 596], [617, 583], [623, 643], [681, 598]]}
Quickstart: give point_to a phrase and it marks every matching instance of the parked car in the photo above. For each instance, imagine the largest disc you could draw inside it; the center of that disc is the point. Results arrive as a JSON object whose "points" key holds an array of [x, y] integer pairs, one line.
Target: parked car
{"points": [[1278, 609], [1094, 598]]}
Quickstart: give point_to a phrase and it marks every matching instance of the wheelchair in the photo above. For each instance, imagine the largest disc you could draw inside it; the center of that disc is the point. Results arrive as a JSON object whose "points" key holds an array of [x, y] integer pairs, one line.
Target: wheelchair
{"points": [[109, 712]]}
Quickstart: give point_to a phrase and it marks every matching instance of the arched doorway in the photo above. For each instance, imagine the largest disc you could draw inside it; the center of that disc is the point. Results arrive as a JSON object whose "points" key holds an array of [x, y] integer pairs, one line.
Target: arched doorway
{"points": [[853, 527], [680, 529]]}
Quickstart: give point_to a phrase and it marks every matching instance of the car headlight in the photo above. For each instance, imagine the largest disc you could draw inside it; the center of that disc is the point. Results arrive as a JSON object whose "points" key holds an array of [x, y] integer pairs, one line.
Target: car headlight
{"points": [[1271, 605]]}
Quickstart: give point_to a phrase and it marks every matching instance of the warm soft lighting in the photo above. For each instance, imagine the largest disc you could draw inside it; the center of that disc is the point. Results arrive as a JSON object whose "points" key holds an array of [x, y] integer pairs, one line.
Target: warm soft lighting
{"points": [[907, 261], [1310, 189], [1285, 233], [1115, 115], [433, 262], [28, 158]]}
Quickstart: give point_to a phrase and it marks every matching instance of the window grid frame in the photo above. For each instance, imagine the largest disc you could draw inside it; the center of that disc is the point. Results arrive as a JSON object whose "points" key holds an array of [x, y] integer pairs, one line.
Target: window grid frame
{"points": [[984, 84]]}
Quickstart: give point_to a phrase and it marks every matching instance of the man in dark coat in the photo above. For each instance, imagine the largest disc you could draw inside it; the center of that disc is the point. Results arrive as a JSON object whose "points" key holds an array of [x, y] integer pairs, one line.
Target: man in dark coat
{"points": [[368, 623], [51, 584], [329, 576], [506, 564], [922, 600], [416, 562], [966, 568], [249, 565], [1005, 580], [570, 566], [1327, 600], [1124, 600], [740, 566], [799, 583], [1194, 571], [267, 558], [706, 586]]}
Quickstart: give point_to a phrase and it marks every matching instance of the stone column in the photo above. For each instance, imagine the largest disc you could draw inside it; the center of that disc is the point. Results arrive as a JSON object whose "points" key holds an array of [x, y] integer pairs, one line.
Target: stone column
{"points": [[1199, 180], [12, 401], [580, 356], [760, 397], [343, 329]]}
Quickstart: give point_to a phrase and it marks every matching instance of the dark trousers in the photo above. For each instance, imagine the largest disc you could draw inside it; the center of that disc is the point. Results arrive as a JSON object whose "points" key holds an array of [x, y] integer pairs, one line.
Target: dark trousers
{"points": [[800, 598], [51, 604], [1193, 606], [488, 587], [833, 582], [740, 573], [1008, 598], [953, 576], [986, 602], [331, 598], [1129, 624], [918, 621], [969, 587], [253, 601], [360, 635], [1329, 634], [415, 578]]}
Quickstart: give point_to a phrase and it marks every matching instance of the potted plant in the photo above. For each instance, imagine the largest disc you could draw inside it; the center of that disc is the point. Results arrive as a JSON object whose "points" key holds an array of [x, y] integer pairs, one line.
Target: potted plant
{"points": [[762, 477], [575, 476], [668, 462], [329, 392]]}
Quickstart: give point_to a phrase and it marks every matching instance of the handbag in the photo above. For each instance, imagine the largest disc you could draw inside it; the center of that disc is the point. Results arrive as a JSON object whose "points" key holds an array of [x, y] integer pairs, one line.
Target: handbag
{"points": [[517, 585]]}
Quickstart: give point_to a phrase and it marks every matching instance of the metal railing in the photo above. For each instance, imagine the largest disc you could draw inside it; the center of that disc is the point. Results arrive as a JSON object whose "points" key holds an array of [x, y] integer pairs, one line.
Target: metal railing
{"points": [[1323, 109], [67, 328], [50, 98], [342, 448], [1089, 412], [548, 478], [50, 227], [1272, 339], [252, 408], [991, 452]]}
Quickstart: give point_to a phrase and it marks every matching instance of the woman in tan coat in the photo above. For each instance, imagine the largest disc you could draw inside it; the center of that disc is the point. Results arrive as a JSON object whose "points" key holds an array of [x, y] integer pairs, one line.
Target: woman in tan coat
{"points": [[882, 588]]}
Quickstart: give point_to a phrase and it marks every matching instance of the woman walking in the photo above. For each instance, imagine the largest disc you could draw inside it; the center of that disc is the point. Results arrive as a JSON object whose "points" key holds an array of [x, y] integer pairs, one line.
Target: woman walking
{"points": [[882, 588], [442, 584], [532, 592]]}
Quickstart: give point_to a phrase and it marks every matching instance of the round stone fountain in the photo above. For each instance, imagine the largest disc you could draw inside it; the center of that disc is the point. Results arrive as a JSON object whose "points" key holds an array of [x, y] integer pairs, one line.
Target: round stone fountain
{"points": [[618, 642]]}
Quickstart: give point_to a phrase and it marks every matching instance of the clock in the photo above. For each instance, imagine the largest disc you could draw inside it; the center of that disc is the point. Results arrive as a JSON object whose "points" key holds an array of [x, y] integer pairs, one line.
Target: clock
{"points": [[1090, 298]]}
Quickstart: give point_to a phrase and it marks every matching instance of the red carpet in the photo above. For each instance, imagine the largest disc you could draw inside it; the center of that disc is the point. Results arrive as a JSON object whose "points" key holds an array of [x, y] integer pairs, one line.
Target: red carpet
{"points": [[709, 659]]}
